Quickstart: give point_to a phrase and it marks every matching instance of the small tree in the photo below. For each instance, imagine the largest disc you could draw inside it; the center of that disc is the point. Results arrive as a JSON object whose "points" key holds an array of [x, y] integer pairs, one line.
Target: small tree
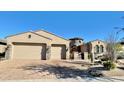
{"points": [[113, 47], [110, 47]]}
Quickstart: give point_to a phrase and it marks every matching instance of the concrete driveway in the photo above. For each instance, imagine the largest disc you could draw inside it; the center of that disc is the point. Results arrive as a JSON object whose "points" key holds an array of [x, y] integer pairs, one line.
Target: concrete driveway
{"points": [[37, 70]]}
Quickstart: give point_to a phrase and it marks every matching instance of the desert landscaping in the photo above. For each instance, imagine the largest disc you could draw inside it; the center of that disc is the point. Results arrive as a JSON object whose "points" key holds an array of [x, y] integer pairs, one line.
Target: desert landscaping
{"points": [[55, 70]]}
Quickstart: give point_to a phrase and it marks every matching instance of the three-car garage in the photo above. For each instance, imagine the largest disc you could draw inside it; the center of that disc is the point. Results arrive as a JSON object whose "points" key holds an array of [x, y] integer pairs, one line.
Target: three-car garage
{"points": [[41, 46], [37, 51]]}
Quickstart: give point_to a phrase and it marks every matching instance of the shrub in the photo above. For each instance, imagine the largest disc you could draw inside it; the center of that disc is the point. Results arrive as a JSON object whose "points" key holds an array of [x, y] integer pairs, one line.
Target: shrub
{"points": [[105, 58], [109, 65]]}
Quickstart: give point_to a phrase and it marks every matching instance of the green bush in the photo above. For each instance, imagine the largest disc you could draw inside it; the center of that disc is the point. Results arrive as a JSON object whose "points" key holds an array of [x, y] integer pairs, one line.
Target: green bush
{"points": [[105, 58], [109, 65]]}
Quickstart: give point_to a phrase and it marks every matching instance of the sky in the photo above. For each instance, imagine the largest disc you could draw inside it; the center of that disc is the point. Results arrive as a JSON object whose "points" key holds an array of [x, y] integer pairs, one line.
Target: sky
{"points": [[89, 25]]}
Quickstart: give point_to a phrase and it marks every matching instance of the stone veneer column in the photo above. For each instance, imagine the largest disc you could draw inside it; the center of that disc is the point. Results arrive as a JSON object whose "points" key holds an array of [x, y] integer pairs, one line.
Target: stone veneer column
{"points": [[85, 55], [92, 57], [48, 52], [67, 52]]}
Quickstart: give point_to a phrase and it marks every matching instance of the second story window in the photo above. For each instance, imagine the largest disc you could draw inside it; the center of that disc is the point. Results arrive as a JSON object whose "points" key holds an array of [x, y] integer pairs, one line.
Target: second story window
{"points": [[79, 41]]}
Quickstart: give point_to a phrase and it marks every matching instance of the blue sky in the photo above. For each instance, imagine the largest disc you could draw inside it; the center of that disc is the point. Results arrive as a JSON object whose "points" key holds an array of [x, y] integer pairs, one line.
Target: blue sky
{"points": [[87, 25]]}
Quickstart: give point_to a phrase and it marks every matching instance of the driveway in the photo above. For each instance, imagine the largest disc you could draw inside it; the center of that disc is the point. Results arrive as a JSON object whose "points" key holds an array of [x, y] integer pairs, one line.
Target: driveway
{"points": [[37, 70]]}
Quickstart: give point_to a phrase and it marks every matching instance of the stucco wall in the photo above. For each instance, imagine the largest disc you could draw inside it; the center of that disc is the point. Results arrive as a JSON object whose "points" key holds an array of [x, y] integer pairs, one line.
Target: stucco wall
{"points": [[97, 42], [24, 37], [55, 39]]}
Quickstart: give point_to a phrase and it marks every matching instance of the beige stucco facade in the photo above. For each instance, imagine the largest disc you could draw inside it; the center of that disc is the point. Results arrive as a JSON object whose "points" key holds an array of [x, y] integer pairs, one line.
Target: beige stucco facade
{"points": [[96, 48], [101, 45], [43, 45], [37, 45]]}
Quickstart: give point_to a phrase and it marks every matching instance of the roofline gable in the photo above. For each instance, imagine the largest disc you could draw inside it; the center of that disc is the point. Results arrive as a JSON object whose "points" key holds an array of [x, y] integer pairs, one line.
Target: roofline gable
{"points": [[51, 34], [27, 32]]}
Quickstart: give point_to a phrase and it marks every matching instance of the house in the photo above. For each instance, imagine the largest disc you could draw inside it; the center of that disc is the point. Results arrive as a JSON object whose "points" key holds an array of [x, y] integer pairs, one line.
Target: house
{"points": [[43, 45], [37, 45]]}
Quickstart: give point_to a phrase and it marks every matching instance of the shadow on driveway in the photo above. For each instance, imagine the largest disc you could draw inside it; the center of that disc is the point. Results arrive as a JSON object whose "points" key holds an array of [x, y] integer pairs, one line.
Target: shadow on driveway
{"points": [[58, 71], [62, 72]]}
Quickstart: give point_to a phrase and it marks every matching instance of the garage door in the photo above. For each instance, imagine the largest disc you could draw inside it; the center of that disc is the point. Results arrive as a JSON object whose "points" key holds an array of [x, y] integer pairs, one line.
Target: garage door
{"points": [[29, 51], [58, 52]]}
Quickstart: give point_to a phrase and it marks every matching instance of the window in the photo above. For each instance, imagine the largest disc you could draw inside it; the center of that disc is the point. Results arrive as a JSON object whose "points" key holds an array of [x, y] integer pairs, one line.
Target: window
{"points": [[96, 49], [79, 41], [29, 36], [101, 49]]}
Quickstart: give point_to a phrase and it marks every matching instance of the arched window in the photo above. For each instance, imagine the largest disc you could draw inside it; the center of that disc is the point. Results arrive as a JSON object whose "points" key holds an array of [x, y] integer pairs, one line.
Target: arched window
{"points": [[96, 49], [101, 49]]}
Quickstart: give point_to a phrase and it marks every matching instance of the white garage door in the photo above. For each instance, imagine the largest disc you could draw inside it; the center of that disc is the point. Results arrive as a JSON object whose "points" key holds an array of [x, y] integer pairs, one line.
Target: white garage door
{"points": [[58, 52], [29, 51]]}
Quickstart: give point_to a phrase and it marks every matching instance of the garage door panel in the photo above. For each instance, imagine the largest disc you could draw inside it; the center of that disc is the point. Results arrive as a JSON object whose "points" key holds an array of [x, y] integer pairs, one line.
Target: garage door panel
{"points": [[28, 51], [58, 52]]}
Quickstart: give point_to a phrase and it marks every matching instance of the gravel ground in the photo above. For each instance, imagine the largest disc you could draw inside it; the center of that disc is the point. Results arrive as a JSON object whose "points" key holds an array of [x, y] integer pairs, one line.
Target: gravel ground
{"points": [[53, 71]]}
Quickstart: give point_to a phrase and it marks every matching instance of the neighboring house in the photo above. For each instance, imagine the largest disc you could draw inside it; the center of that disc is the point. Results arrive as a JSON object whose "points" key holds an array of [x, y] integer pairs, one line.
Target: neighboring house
{"points": [[122, 45], [37, 45], [120, 54]]}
